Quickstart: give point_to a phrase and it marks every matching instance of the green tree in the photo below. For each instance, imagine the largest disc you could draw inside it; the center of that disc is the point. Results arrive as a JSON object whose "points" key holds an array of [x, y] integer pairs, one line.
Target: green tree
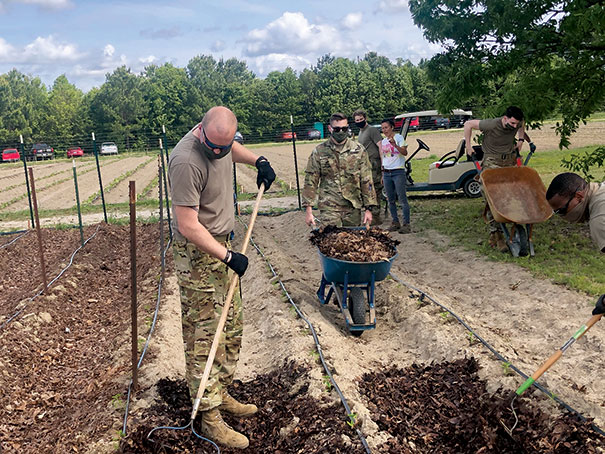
{"points": [[544, 56], [64, 121]]}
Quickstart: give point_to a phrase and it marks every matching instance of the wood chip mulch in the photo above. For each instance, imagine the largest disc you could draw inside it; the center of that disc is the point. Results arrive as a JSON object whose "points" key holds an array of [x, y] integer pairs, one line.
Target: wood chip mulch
{"points": [[445, 408], [289, 420], [374, 245]]}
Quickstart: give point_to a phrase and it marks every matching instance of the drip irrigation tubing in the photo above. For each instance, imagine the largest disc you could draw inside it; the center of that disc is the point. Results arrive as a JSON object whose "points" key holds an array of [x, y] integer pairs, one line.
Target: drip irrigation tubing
{"points": [[14, 239], [71, 260], [151, 329], [423, 295], [315, 338], [13, 232]]}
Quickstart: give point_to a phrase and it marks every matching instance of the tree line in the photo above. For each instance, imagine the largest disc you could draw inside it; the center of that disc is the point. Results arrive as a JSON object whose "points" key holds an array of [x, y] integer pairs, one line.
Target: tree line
{"points": [[130, 108]]}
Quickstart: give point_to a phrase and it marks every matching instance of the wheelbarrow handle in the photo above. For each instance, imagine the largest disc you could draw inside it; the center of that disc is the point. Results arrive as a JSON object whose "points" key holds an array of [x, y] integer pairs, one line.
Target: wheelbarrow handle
{"points": [[477, 163]]}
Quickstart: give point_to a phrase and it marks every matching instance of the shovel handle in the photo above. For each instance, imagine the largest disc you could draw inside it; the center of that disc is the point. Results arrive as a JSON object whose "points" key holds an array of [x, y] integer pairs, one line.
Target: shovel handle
{"points": [[225, 311], [555, 357]]}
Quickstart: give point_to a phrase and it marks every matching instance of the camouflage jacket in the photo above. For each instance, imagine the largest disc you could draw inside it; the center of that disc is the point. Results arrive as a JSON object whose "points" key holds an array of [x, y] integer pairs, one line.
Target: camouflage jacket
{"points": [[339, 179]]}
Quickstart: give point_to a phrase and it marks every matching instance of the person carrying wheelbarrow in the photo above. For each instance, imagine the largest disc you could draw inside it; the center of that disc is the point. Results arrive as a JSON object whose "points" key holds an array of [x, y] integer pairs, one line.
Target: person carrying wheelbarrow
{"points": [[339, 175], [203, 217], [499, 150]]}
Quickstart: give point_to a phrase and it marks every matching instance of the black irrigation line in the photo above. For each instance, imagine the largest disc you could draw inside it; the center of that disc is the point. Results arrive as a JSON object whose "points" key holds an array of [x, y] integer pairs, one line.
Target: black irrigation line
{"points": [[151, 329], [423, 295], [71, 260], [12, 233], [25, 232], [315, 338]]}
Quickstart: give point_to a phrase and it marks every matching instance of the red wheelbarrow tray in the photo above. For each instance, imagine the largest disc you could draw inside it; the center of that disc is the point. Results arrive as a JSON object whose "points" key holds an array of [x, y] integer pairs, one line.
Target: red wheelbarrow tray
{"points": [[516, 194]]}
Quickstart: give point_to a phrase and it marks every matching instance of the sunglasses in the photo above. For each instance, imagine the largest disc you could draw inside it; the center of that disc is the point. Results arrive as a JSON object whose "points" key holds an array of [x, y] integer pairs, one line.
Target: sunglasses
{"points": [[563, 210], [340, 128], [214, 146]]}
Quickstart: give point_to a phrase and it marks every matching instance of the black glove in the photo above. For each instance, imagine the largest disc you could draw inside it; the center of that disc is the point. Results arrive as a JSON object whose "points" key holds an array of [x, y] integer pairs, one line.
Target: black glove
{"points": [[265, 173], [532, 147], [600, 306], [237, 262]]}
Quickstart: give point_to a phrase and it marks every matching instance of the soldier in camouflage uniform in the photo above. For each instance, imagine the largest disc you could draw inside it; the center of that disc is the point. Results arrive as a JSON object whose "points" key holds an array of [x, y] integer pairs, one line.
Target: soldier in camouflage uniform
{"points": [[499, 150], [202, 202], [339, 175]]}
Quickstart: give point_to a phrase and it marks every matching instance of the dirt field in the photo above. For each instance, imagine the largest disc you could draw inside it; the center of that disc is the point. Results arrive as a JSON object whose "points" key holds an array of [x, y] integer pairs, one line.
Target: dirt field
{"points": [[68, 355]]}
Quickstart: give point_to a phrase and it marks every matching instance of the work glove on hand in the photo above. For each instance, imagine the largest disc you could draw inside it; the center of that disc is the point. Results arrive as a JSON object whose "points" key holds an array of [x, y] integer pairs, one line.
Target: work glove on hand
{"points": [[237, 262], [266, 174], [600, 306], [532, 147]]}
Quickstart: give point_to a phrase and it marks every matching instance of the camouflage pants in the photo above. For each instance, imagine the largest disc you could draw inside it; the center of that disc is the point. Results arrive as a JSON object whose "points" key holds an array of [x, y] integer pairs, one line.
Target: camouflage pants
{"points": [[341, 218], [378, 186], [204, 283], [495, 162]]}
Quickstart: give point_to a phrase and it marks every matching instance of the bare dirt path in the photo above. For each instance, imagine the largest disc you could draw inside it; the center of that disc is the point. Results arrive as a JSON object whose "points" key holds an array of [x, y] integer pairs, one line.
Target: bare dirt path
{"points": [[142, 177]]}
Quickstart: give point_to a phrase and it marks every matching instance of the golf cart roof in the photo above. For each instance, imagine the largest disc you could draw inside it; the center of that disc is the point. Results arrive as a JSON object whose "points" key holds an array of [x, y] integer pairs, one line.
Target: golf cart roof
{"points": [[428, 113]]}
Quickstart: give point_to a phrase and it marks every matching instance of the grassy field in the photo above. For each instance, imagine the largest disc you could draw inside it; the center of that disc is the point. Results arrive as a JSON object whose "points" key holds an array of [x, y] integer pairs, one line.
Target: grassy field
{"points": [[564, 252]]}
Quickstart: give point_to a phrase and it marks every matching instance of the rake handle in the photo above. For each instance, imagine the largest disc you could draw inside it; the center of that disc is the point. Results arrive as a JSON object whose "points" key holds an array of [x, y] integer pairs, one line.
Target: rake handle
{"points": [[225, 311], [555, 356]]}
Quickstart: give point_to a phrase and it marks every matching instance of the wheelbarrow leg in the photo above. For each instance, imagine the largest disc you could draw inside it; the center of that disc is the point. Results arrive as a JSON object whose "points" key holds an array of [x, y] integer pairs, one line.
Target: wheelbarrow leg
{"points": [[322, 290]]}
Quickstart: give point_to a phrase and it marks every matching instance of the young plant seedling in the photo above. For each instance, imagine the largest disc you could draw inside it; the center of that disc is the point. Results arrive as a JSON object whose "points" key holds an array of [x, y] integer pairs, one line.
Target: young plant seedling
{"points": [[314, 354], [506, 369], [445, 317], [472, 339], [327, 383], [352, 420]]}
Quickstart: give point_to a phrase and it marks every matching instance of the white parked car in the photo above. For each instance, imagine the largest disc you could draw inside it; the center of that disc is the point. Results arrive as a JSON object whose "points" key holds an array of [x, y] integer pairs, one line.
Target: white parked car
{"points": [[109, 148]]}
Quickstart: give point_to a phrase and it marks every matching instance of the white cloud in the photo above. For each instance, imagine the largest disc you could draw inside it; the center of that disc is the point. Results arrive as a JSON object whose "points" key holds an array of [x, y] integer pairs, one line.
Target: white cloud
{"points": [[392, 6], [50, 4], [148, 60], [352, 20], [108, 51], [218, 46], [264, 64], [292, 33], [47, 49], [6, 50]]}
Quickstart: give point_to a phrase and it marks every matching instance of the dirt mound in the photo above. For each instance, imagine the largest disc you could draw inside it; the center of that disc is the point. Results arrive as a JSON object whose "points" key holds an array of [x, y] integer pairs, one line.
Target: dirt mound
{"points": [[373, 245], [288, 420], [445, 408]]}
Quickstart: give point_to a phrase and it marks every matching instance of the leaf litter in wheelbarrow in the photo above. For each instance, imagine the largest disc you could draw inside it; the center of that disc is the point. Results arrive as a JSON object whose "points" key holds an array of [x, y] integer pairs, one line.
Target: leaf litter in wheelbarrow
{"points": [[360, 245], [445, 408], [288, 421]]}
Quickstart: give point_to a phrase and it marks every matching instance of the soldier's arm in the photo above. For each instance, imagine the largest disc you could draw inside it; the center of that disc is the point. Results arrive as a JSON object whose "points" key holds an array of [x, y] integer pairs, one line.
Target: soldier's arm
{"points": [[368, 194], [312, 177], [190, 228]]}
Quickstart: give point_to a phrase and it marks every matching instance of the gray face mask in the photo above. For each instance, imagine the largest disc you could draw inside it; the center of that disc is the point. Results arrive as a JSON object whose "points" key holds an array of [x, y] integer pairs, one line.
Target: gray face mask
{"points": [[209, 152], [509, 127], [340, 136]]}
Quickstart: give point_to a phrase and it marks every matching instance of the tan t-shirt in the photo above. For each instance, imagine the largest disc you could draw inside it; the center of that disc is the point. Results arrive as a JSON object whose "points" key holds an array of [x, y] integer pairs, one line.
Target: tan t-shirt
{"points": [[497, 140], [369, 137], [201, 183], [596, 221]]}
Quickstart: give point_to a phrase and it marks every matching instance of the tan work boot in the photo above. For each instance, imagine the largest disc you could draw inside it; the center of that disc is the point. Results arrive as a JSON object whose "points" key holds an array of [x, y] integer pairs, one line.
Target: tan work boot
{"points": [[230, 405], [220, 432], [405, 228], [501, 242], [394, 226]]}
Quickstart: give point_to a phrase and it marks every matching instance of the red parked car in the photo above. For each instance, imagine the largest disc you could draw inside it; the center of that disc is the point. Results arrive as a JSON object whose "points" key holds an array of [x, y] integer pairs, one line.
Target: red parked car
{"points": [[74, 152], [286, 136], [10, 155]]}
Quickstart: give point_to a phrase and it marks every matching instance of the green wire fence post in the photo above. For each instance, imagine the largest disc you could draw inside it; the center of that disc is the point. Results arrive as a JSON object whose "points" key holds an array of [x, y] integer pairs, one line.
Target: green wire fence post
{"points": [[163, 262], [94, 146], [29, 194], [295, 162], [78, 203], [165, 149]]}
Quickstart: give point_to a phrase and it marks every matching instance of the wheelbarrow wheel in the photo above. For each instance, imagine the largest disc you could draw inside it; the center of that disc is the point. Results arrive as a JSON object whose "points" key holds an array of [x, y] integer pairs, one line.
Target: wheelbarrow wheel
{"points": [[357, 305], [521, 235]]}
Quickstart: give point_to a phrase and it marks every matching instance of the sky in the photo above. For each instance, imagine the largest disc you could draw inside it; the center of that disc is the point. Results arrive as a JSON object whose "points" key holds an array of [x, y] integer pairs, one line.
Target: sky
{"points": [[85, 40]]}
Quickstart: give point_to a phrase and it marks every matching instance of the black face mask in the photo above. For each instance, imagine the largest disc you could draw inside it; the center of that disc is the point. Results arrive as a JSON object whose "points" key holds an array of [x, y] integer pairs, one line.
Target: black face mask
{"points": [[360, 124], [209, 152]]}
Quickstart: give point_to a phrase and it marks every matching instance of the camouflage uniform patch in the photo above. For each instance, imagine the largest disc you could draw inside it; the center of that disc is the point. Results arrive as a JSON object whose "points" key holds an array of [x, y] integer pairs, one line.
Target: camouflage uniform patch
{"points": [[340, 180], [204, 283], [378, 187]]}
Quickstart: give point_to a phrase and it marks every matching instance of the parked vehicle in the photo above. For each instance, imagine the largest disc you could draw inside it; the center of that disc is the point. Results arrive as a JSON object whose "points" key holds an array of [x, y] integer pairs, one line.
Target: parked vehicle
{"points": [[41, 151], [437, 121], [430, 119], [75, 152], [239, 138], [286, 136], [313, 134], [109, 148], [10, 155]]}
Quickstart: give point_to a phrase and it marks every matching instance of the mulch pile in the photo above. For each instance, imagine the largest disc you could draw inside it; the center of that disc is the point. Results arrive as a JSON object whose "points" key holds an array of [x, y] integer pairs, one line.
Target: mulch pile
{"points": [[445, 408], [374, 245], [288, 420]]}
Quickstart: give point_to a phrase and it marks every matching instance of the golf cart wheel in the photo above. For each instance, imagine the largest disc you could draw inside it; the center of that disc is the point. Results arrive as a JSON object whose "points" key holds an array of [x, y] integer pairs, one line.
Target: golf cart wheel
{"points": [[357, 308], [472, 188], [521, 236]]}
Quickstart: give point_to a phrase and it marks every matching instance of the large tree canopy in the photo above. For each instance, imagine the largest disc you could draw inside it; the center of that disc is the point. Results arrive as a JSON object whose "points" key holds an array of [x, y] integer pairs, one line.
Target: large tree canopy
{"points": [[544, 56]]}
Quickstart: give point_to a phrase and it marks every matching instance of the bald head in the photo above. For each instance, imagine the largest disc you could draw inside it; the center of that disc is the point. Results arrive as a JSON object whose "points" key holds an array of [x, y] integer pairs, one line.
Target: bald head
{"points": [[220, 125]]}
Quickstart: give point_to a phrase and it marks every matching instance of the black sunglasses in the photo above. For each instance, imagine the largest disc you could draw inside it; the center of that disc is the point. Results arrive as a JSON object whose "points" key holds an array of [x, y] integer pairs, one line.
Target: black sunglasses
{"points": [[563, 210], [340, 128], [214, 146]]}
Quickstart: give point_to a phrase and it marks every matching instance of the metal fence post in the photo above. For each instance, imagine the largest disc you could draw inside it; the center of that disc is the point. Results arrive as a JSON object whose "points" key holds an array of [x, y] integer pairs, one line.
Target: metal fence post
{"points": [[163, 262], [38, 230], [29, 194], [78, 203], [133, 279], [295, 162], [164, 175], [94, 146]]}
